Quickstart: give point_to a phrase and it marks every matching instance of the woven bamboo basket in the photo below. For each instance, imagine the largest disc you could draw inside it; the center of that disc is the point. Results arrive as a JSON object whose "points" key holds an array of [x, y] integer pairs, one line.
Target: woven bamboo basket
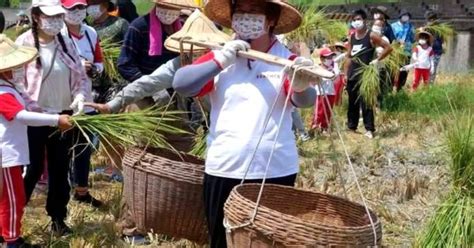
{"points": [[164, 193], [289, 217]]}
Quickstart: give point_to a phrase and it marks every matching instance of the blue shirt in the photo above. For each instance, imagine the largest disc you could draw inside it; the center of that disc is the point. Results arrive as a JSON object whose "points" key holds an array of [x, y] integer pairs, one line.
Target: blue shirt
{"points": [[134, 61], [404, 32]]}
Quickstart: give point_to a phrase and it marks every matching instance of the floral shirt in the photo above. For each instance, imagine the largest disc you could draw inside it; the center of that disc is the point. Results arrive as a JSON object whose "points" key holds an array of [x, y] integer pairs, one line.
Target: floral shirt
{"points": [[112, 28], [79, 82]]}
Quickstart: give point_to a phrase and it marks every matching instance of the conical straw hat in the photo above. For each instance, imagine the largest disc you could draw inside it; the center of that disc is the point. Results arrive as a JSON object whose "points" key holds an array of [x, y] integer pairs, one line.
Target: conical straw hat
{"points": [[220, 11], [13, 55], [177, 4], [198, 27]]}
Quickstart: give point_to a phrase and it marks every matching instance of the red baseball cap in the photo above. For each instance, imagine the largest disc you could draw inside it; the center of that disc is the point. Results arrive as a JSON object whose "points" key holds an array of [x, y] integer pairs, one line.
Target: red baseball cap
{"points": [[325, 52], [71, 3]]}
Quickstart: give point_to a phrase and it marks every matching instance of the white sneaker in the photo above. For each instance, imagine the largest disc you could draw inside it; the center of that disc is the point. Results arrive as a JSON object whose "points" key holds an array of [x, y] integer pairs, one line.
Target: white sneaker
{"points": [[369, 134], [304, 137]]}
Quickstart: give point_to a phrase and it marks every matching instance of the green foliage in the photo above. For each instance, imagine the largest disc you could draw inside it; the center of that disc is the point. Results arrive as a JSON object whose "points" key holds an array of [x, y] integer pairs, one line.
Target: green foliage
{"points": [[111, 52], [443, 30], [452, 224], [431, 101], [316, 29], [143, 6]]}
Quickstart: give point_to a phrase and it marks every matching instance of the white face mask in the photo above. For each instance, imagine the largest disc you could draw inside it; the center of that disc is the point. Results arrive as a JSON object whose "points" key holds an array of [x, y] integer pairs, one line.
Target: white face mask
{"points": [[94, 11], [328, 62], [405, 18], [377, 16], [249, 26], [75, 17], [359, 24], [51, 25], [167, 16], [377, 29], [422, 42]]}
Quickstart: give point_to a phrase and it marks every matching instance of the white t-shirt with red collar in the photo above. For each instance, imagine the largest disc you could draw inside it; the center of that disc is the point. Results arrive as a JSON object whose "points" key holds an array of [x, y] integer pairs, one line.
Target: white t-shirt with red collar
{"points": [[241, 98], [423, 57], [13, 134]]}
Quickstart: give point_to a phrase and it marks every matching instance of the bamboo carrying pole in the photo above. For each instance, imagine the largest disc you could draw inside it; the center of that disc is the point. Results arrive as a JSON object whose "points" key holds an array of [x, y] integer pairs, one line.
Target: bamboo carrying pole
{"points": [[314, 71]]}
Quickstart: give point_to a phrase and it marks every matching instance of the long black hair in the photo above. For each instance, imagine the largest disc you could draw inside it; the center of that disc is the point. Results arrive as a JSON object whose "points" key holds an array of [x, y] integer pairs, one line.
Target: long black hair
{"points": [[36, 12]]}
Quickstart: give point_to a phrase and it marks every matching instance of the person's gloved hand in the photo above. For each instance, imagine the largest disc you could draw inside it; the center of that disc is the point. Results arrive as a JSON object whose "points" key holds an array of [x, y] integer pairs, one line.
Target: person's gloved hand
{"points": [[78, 104], [300, 81], [374, 62], [227, 55]]}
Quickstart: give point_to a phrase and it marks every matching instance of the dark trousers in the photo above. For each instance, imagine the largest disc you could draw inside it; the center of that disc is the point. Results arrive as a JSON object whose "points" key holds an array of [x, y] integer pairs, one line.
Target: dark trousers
{"points": [[82, 157], [216, 192], [402, 77], [48, 140], [356, 103]]}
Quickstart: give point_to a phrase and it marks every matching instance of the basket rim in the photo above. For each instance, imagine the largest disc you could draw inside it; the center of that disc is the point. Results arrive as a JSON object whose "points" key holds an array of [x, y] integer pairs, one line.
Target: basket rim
{"points": [[377, 222]]}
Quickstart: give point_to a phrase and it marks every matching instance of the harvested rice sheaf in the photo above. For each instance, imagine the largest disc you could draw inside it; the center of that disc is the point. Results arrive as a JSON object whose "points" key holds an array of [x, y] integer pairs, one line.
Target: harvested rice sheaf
{"points": [[130, 129], [452, 223]]}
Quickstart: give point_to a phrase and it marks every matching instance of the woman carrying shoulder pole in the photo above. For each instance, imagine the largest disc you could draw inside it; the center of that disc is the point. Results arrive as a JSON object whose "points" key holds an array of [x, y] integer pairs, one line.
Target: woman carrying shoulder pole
{"points": [[241, 93]]}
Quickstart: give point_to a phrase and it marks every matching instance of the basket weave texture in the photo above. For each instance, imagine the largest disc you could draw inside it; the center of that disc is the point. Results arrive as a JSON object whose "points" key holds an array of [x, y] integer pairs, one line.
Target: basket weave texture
{"points": [[164, 193], [289, 217]]}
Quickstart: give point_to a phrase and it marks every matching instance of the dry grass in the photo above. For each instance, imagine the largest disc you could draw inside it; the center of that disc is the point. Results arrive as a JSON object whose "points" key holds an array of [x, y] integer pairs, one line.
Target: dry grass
{"points": [[403, 173]]}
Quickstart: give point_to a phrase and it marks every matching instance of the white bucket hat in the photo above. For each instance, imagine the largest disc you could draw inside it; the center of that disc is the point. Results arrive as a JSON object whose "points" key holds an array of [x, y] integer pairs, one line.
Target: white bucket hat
{"points": [[49, 7]]}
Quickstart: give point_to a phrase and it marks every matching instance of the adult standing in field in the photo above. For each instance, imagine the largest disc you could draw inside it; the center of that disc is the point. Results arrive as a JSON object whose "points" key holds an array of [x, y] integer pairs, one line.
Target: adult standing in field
{"points": [[55, 82], [405, 34], [432, 18], [143, 48], [361, 51], [241, 93], [87, 44], [107, 26], [380, 13]]}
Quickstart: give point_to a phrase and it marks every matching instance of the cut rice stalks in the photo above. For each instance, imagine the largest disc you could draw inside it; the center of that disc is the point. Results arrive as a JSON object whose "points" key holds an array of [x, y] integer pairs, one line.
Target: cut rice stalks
{"points": [[369, 83], [452, 224], [395, 60], [111, 52], [443, 30], [316, 29], [199, 146], [119, 131]]}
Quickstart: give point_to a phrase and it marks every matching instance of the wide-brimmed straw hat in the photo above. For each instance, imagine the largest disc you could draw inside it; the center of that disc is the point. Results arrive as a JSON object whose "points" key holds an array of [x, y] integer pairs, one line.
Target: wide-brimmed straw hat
{"points": [[13, 55], [197, 27], [177, 4], [220, 11], [424, 31]]}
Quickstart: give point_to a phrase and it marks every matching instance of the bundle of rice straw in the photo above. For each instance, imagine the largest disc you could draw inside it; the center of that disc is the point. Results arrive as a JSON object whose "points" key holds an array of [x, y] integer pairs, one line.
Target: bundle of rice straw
{"points": [[395, 60], [316, 28], [369, 83], [129, 129], [111, 52], [443, 30], [452, 224]]}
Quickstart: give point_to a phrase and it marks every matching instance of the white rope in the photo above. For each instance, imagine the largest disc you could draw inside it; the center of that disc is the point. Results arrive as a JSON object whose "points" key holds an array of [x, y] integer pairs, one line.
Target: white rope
{"points": [[257, 204], [354, 174]]}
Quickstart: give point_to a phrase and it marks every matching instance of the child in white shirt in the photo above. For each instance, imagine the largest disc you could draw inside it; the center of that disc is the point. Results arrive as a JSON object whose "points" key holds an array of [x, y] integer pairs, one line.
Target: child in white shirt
{"points": [[14, 120], [423, 59]]}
